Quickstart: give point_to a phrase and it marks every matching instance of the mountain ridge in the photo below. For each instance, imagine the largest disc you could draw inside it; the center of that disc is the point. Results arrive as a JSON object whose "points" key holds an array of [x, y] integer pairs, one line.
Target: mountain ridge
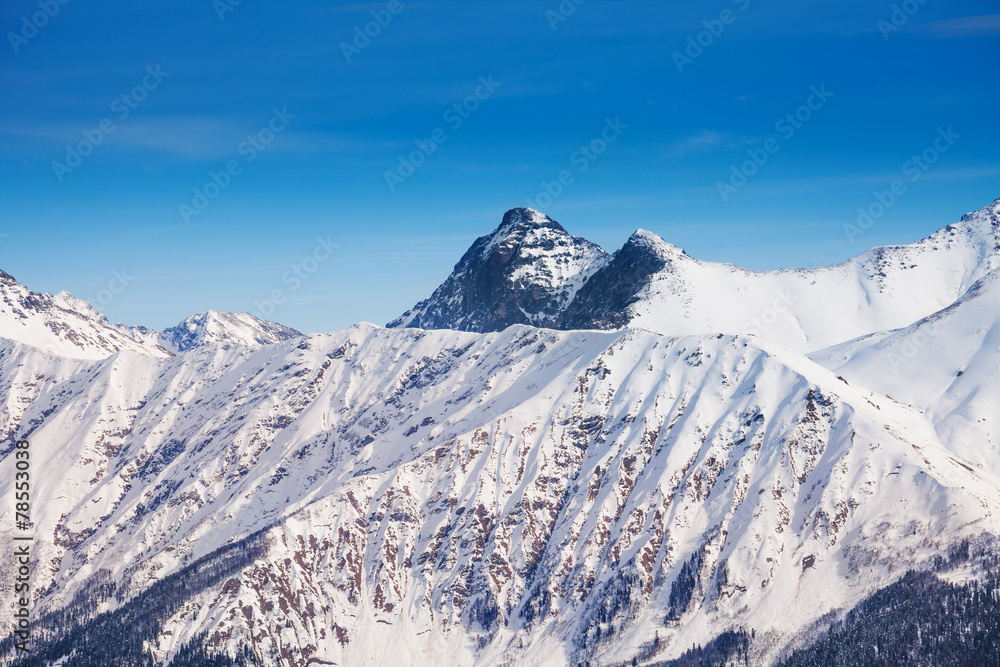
{"points": [[66, 325], [651, 284], [531, 495], [533, 451]]}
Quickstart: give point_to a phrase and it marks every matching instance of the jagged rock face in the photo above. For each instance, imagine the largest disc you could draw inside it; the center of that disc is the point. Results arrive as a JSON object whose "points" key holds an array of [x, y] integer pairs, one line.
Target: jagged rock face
{"points": [[525, 272], [604, 301]]}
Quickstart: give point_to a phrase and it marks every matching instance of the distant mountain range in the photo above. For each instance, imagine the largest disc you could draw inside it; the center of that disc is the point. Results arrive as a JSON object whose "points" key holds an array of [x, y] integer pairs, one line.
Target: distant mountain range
{"points": [[561, 457], [65, 325]]}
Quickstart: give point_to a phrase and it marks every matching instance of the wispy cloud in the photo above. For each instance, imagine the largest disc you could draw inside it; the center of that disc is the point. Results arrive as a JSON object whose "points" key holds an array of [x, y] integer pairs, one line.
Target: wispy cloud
{"points": [[195, 138], [352, 9], [703, 142], [967, 26]]}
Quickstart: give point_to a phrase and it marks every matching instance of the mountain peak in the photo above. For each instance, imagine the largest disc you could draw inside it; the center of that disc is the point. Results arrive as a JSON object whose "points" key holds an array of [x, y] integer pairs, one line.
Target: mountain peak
{"points": [[68, 301], [215, 327], [642, 238], [61, 324], [984, 224], [525, 272], [527, 218]]}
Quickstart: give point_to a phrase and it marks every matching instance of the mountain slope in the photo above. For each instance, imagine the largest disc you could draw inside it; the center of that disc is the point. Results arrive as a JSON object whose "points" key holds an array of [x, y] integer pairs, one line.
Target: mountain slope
{"points": [[528, 496], [946, 365]]}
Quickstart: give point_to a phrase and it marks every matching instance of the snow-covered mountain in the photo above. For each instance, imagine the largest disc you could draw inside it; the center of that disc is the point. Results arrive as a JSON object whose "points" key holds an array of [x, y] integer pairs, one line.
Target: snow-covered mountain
{"points": [[598, 495], [653, 285], [62, 324], [213, 327], [946, 365], [525, 272], [528, 495]]}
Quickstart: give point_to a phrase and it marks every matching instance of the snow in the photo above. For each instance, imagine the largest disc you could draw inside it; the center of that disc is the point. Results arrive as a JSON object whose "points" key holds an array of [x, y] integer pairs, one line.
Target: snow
{"points": [[407, 479], [811, 309]]}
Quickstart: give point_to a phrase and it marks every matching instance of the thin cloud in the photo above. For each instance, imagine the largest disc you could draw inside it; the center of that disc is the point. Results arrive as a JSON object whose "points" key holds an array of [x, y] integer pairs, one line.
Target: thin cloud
{"points": [[195, 138], [703, 142], [351, 9], [968, 26]]}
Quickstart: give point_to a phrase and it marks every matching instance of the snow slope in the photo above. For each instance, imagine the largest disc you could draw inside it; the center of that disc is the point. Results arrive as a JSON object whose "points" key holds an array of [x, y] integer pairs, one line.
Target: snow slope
{"points": [[946, 365], [810, 309], [528, 496]]}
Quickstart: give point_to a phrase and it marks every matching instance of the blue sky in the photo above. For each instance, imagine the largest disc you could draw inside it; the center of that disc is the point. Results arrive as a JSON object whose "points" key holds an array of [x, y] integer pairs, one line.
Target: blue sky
{"points": [[209, 85]]}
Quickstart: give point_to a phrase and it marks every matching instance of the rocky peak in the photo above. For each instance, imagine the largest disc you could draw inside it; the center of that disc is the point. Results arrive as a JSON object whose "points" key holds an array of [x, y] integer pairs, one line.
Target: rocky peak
{"points": [[525, 272], [527, 218], [603, 302]]}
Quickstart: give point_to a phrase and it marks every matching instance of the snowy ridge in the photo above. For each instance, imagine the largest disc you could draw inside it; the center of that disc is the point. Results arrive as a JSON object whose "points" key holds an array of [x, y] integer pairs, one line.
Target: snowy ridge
{"points": [[61, 324], [946, 365], [498, 490], [653, 285], [602, 493]]}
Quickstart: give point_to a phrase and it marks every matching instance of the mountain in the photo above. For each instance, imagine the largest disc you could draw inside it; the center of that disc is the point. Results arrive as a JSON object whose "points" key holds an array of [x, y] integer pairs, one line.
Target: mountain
{"points": [[62, 324], [653, 285], [225, 328], [529, 496], [525, 272], [618, 488], [946, 365]]}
